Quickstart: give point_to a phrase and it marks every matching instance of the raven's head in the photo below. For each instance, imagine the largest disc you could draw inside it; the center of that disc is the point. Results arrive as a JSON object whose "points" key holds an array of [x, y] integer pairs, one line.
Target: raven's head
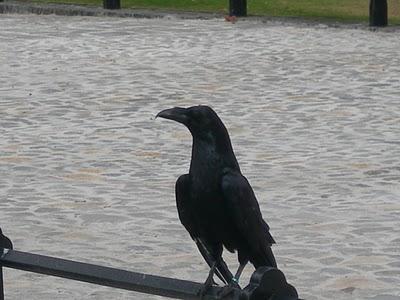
{"points": [[208, 131], [201, 120]]}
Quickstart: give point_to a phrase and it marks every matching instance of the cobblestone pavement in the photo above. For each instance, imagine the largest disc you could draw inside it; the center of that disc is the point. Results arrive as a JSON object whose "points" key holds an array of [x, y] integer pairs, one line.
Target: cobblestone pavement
{"points": [[86, 173]]}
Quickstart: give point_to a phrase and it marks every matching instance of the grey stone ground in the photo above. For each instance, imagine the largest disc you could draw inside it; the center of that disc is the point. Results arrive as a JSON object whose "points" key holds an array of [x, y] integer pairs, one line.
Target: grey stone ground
{"points": [[86, 172]]}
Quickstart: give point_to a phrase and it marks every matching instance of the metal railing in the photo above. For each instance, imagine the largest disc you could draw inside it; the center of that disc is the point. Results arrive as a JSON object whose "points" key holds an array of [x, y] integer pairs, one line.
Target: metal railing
{"points": [[105, 276], [265, 282]]}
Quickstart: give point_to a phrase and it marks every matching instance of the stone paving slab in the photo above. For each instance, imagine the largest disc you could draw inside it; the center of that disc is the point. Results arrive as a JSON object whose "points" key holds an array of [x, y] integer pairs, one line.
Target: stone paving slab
{"points": [[86, 173]]}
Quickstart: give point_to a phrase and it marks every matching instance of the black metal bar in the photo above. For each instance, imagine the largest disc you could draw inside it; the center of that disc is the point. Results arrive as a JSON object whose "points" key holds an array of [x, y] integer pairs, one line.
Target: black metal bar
{"points": [[150, 284], [111, 4], [1, 284], [238, 8], [378, 13], [5, 242]]}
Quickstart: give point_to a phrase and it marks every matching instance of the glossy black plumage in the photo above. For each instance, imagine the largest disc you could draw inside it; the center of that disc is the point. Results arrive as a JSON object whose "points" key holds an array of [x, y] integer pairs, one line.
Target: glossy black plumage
{"points": [[215, 202]]}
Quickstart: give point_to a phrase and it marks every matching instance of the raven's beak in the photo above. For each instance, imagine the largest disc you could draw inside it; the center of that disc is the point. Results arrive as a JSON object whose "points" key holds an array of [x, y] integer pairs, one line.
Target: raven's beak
{"points": [[177, 114]]}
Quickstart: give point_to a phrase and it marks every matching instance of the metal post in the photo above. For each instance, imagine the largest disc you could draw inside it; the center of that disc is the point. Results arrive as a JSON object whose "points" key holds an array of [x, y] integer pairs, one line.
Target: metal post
{"points": [[111, 4], [238, 8], [1, 281], [378, 13], [5, 244]]}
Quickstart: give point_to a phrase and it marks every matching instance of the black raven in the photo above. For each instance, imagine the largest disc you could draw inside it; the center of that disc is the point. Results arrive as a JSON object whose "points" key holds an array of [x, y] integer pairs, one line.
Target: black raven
{"points": [[215, 202], [5, 241]]}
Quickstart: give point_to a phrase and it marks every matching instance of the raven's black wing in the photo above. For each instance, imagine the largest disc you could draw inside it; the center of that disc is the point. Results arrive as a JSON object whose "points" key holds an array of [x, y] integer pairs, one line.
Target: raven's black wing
{"points": [[182, 194], [186, 216], [245, 211]]}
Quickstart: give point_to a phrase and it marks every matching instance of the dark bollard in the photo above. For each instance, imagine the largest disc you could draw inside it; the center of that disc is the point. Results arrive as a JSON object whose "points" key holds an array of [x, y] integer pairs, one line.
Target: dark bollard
{"points": [[378, 13], [268, 283], [238, 8], [111, 4]]}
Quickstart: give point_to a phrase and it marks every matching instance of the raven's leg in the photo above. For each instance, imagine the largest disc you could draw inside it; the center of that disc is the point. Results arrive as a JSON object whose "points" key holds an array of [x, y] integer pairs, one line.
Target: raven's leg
{"points": [[209, 281], [210, 278], [213, 254], [234, 283], [239, 272], [243, 259], [224, 270]]}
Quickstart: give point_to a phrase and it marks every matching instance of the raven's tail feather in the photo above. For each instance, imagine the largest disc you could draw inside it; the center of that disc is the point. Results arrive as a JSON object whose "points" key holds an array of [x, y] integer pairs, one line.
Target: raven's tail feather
{"points": [[270, 257], [264, 257]]}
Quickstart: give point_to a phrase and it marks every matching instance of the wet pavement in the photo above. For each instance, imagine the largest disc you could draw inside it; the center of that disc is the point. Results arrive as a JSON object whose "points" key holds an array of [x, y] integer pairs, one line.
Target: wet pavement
{"points": [[86, 173]]}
